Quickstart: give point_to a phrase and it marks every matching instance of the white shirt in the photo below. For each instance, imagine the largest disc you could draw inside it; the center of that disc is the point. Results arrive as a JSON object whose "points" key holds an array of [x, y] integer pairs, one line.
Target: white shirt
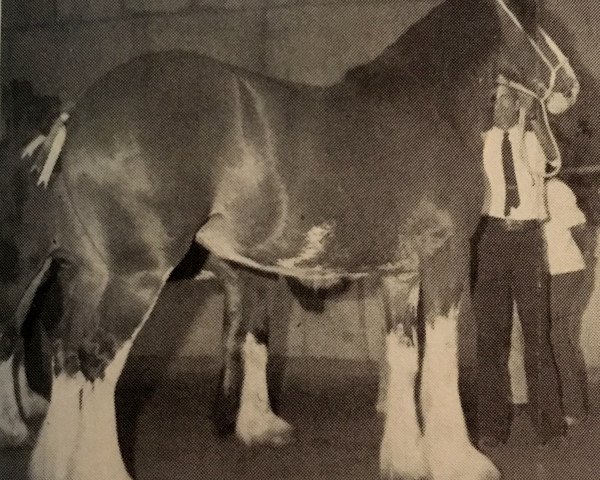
{"points": [[530, 166], [563, 254]]}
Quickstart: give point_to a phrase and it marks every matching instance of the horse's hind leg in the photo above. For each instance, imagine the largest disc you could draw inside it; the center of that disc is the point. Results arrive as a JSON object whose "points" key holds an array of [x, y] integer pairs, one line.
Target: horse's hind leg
{"points": [[256, 422], [101, 315], [450, 454], [230, 384], [402, 449]]}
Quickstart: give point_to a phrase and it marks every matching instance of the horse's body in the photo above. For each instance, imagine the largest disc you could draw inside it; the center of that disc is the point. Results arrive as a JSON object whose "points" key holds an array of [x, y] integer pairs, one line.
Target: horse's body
{"points": [[376, 176], [282, 169]]}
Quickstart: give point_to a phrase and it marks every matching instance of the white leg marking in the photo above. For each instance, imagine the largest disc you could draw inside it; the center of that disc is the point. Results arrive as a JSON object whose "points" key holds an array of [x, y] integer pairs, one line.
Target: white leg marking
{"points": [[399, 295], [382, 392], [402, 449], [449, 451], [413, 299], [33, 404], [13, 431], [256, 422], [78, 440], [59, 436], [97, 454]]}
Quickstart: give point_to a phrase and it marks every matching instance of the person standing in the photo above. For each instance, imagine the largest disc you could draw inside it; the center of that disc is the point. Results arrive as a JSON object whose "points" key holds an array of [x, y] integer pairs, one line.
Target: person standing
{"points": [[509, 265], [567, 269]]}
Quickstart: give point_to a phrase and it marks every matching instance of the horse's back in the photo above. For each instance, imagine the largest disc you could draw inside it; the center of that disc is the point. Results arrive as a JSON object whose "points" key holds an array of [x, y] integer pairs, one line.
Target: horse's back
{"points": [[142, 151]]}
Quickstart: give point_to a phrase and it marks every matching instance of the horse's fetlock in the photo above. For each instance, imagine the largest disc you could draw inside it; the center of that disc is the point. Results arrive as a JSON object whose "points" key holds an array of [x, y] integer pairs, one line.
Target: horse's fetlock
{"points": [[96, 353]]}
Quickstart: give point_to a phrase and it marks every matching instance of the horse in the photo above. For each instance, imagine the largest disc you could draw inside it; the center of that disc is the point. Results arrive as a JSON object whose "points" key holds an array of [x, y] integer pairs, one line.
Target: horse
{"points": [[376, 176]]}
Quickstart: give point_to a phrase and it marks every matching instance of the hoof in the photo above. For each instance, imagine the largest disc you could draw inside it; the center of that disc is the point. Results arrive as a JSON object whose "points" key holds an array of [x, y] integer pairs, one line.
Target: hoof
{"points": [[470, 465], [274, 432], [403, 465]]}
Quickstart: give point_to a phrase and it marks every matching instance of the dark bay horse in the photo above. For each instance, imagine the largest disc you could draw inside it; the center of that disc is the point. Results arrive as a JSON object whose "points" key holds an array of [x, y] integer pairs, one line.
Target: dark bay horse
{"points": [[377, 176]]}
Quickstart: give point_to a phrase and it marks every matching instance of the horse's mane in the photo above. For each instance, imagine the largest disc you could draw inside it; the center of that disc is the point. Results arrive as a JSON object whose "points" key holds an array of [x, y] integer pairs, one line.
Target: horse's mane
{"points": [[456, 37]]}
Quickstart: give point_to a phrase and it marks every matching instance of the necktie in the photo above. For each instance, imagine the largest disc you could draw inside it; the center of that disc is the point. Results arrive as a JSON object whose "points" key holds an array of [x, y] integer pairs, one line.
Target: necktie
{"points": [[510, 178]]}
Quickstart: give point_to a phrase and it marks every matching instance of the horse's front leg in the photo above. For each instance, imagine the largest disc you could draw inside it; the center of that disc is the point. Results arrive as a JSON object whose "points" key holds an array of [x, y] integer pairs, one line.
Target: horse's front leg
{"points": [[450, 454], [402, 449], [227, 400]]}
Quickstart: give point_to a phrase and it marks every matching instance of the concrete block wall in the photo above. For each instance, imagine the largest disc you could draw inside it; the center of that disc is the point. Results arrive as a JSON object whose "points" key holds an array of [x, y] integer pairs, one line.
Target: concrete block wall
{"points": [[64, 45]]}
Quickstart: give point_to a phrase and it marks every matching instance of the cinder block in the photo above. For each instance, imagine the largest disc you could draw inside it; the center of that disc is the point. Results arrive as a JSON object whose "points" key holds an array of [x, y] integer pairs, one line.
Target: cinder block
{"points": [[15, 13], [230, 4], [234, 37], [70, 10], [140, 6], [66, 61], [40, 11]]}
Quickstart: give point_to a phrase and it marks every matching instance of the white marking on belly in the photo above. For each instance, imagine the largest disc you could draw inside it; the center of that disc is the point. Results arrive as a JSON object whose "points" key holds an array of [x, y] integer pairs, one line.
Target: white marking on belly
{"points": [[315, 245], [215, 237]]}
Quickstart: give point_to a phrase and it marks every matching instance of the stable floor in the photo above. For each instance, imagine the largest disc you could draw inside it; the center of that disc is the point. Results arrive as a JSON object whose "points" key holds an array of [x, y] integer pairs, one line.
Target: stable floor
{"points": [[166, 433]]}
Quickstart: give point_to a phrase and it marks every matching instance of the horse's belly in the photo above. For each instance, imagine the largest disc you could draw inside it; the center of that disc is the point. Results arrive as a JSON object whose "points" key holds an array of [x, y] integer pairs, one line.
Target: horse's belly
{"points": [[316, 254]]}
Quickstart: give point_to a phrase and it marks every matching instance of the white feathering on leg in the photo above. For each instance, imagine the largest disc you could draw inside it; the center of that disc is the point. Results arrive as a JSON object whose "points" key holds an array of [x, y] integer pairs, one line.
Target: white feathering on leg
{"points": [[97, 454], [382, 391], [256, 422], [78, 440], [449, 451], [402, 452], [53, 452]]}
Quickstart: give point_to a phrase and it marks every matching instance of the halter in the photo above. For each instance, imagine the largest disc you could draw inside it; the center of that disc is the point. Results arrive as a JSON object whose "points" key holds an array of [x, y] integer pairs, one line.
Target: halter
{"points": [[557, 163], [549, 94], [563, 61]]}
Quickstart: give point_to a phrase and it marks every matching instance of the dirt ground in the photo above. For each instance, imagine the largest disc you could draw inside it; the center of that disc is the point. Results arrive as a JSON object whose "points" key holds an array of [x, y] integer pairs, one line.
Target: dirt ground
{"points": [[166, 434]]}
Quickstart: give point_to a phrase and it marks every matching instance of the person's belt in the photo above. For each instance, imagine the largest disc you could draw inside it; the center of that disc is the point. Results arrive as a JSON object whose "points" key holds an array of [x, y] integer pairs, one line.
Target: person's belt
{"points": [[510, 225]]}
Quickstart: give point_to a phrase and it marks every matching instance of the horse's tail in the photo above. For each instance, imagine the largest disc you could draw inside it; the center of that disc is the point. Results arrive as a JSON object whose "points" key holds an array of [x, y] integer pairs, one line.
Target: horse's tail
{"points": [[46, 149]]}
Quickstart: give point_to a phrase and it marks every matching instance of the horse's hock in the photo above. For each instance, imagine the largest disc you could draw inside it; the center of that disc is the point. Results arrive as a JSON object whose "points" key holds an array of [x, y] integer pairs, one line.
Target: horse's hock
{"points": [[313, 42]]}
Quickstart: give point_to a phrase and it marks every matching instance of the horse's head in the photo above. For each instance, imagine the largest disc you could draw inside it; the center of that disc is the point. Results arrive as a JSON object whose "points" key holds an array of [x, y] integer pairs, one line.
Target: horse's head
{"points": [[529, 60]]}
